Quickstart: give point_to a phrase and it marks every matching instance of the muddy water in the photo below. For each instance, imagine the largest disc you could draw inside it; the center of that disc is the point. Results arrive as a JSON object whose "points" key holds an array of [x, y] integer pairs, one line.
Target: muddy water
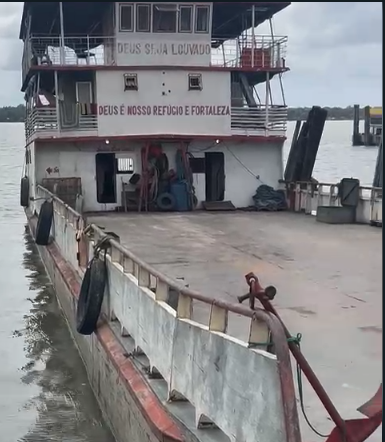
{"points": [[45, 395]]}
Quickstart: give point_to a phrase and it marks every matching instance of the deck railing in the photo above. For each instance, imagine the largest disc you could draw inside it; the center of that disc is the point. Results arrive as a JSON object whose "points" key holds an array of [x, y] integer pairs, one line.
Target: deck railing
{"points": [[260, 120], [257, 121], [44, 121], [175, 344], [259, 52], [76, 51], [307, 197]]}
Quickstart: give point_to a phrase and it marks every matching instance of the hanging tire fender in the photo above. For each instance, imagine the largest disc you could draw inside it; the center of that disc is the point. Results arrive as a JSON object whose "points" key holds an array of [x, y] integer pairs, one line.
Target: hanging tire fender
{"points": [[91, 297], [44, 224], [24, 192]]}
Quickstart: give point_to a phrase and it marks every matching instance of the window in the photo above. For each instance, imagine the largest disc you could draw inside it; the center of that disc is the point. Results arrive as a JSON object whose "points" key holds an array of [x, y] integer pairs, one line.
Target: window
{"points": [[185, 19], [126, 18], [202, 14], [195, 82], [143, 13], [130, 82], [197, 165], [164, 17], [124, 165], [84, 92]]}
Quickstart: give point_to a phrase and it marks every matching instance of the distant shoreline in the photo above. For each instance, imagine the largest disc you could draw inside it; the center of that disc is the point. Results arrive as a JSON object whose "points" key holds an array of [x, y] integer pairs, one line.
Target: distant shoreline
{"points": [[16, 114]]}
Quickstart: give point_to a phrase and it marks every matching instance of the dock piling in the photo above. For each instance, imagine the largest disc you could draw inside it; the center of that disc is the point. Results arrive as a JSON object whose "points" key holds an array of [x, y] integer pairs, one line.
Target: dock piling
{"points": [[356, 139]]}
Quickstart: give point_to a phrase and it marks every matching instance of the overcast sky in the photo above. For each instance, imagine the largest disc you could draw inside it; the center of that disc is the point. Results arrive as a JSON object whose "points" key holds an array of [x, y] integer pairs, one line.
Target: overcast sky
{"points": [[334, 53]]}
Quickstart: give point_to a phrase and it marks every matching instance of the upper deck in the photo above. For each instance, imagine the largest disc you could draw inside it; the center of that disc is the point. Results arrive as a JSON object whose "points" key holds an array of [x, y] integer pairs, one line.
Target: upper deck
{"points": [[200, 34], [165, 67]]}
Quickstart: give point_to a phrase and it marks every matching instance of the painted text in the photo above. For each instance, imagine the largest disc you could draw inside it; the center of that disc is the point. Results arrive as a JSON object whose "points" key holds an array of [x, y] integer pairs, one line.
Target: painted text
{"points": [[188, 49], [163, 110]]}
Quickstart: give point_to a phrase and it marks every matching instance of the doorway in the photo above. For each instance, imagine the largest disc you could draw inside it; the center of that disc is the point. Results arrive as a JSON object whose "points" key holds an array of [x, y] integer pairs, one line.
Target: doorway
{"points": [[215, 176], [105, 178]]}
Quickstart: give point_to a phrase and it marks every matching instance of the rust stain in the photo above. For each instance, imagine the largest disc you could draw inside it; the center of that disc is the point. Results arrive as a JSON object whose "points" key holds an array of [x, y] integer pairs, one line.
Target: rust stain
{"points": [[372, 329], [302, 311], [357, 299]]}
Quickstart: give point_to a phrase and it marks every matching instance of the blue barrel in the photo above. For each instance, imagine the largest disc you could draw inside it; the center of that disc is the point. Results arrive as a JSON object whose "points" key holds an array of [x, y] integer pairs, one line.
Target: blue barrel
{"points": [[179, 190]]}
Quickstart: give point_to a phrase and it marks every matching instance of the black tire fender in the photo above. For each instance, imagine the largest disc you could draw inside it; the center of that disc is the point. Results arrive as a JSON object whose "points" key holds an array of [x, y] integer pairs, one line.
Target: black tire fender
{"points": [[166, 201], [91, 297], [24, 192], [44, 223]]}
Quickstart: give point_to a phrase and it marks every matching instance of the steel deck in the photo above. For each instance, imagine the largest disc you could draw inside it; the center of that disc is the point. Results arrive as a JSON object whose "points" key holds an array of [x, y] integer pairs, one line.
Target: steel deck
{"points": [[329, 281]]}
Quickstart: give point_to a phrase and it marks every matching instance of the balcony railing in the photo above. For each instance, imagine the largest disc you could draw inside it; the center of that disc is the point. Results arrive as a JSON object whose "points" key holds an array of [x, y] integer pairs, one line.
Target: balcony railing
{"points": [[257, 121], [260, 52], [76, 51], [260, 120], [44, 122]]}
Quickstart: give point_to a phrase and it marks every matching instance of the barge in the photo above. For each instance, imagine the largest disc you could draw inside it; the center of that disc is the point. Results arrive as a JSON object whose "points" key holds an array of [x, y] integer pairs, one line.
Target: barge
{"points": [[149, 128]]}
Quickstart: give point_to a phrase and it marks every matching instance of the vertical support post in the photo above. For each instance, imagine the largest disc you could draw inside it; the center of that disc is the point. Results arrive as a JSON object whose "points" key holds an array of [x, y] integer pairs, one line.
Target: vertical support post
{"points": [[88, 49], [267, 101], [62, 55], [356, 139], [252, 35], [56, 80], [367, 137]]}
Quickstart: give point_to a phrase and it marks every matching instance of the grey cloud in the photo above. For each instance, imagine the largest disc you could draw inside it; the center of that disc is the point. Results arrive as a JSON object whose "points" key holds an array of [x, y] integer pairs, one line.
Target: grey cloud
{"points": [[334, 52], [10, 17]]}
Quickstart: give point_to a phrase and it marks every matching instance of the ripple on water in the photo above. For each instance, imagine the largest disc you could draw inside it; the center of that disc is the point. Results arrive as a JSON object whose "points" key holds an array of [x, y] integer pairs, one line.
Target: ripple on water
{"points": [[45, 395]]}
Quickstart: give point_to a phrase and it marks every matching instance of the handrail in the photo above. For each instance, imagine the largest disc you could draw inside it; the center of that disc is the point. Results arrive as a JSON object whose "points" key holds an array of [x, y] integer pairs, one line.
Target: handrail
{"points": [[54, 197], [260, 51], [278, 336], [316, 183]]}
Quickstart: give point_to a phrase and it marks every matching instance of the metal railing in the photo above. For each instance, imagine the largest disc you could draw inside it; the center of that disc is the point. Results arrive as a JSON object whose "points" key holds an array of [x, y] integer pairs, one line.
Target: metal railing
{"points": [[261, 120], [306, 197], [44, 121], [260, 52], [76, 51], [153, 288]]}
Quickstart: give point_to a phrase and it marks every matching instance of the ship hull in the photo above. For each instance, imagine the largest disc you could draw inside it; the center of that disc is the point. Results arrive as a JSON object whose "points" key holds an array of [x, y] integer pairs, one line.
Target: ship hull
{"points": [[127, 402]]}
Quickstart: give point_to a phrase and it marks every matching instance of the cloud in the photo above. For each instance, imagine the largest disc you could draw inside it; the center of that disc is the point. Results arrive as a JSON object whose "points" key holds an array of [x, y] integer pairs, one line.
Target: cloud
{"points": [[334, 52], [11, 51]]}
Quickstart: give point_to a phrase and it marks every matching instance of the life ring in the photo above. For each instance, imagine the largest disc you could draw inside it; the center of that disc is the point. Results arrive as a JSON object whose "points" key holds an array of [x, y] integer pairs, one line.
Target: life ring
{"points": [[91, 297], [166, 202], [44, 223], [24, 192]]}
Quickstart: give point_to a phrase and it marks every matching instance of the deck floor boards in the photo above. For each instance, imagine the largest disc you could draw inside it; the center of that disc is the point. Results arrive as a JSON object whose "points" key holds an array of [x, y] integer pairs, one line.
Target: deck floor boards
{"points": [[329, 281]]}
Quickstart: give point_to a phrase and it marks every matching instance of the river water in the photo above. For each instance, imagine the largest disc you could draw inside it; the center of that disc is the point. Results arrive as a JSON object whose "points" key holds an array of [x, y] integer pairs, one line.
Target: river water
{"points": [[45, 395]]}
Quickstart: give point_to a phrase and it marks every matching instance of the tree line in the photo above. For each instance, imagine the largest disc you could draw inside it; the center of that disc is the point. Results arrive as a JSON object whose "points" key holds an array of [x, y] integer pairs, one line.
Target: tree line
{"points": [[12, 114], [16, 114]]}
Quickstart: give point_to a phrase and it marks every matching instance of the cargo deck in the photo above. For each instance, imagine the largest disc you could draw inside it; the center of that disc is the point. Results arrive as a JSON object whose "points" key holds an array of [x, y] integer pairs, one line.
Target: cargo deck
{"points": [[328, 279]]}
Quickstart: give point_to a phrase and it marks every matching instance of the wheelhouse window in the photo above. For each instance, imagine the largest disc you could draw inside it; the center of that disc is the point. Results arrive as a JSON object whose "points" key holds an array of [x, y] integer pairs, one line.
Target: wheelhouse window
{"points": [[202, 15], [143, 16], [164, 17], [185, 18], [126, 18]]}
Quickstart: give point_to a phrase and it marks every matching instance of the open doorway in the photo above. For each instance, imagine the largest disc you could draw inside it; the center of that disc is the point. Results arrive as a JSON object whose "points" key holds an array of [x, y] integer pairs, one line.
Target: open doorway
{"points": [[105, 178], [215, 176]]}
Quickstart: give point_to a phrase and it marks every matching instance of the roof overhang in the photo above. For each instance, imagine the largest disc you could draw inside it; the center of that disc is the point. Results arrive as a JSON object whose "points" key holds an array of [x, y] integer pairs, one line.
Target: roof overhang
{"points": [[82, 18]]}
